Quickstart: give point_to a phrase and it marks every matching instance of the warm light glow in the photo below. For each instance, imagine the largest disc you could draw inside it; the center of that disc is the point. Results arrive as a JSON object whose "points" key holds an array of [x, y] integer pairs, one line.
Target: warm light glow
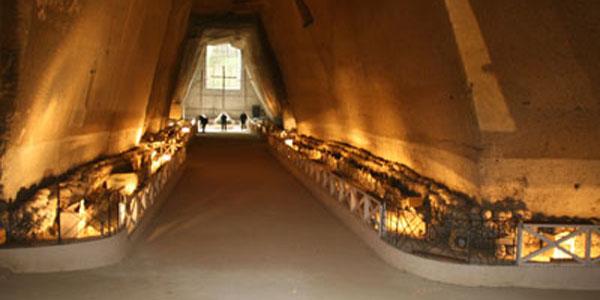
{"points": [[568, 245], [138, 135], [2, 236], [82, 218], [186, 130], [405, 223], [122, 213], [290, 143], [126, 183], [575, 245], [156, 164], [159, 162], [130, 187], [315, 155], [490, 105]]}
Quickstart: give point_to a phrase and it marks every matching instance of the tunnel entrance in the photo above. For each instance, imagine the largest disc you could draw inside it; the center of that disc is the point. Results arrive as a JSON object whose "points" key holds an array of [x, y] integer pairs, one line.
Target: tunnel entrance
{"points": [[228, 74], [223, 92]]}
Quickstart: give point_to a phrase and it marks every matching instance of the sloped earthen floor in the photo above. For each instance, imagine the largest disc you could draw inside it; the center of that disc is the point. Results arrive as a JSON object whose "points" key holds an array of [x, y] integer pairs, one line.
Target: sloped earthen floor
{"points": [[238, 226]]}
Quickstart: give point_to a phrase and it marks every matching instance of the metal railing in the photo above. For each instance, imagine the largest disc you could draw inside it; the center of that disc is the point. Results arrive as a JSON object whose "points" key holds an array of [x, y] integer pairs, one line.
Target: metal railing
{"points": [[558, 243], [360, 204], [113, 212], [404, 227], [134, 208], [447, 233]]}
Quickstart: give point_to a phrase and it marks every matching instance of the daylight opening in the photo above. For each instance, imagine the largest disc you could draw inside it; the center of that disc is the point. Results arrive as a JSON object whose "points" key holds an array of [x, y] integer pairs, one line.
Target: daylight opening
{"points": [[223, 67], [223, 93]]}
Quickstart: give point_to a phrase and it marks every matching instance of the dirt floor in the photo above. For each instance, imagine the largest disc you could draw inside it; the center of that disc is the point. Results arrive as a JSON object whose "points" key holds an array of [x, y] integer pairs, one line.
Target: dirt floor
{"points": [[239, 227]]}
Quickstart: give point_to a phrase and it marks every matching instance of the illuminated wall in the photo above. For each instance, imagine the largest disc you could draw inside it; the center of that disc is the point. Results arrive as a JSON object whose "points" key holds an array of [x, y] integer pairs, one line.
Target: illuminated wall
{"points": [[494, 98], [545, 55], [381, 78], [84, 74], [167, 69]]}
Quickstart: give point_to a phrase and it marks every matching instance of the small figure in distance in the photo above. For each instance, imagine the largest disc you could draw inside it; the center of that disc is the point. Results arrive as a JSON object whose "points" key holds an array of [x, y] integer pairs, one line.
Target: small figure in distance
{"points": [[223, 122], [243, 119], [203, 122]]}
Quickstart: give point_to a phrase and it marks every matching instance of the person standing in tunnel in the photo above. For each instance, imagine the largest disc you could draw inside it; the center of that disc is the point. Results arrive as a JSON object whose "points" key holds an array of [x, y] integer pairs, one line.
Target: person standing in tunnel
{"points": [[203, 122], [243, 119], [223, 122]]}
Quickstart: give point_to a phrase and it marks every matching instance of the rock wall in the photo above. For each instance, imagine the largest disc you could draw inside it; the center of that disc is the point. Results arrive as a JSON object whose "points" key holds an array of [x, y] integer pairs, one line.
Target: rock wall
{"points": [[385, 77], [80, 77], [168, 65], [545, 56], [498, 99], [9, 62]]}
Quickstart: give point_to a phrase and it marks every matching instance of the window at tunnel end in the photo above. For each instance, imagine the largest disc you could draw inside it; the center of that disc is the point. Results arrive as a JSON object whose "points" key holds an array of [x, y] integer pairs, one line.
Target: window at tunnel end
{"points": [[223, 67]]}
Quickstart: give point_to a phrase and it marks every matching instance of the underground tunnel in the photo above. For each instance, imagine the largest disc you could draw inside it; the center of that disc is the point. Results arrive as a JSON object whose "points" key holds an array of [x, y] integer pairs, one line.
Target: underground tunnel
{"points": [[312, 149]]}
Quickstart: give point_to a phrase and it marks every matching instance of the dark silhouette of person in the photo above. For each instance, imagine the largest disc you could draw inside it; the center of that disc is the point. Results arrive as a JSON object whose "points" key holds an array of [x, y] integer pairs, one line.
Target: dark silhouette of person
{"points": [[223, 122], [203, 122], [243, 119]]}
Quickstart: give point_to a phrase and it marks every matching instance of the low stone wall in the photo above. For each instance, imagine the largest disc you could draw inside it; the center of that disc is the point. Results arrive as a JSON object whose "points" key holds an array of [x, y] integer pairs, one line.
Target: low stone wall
{"points": [[87, 254], [573, 277]]}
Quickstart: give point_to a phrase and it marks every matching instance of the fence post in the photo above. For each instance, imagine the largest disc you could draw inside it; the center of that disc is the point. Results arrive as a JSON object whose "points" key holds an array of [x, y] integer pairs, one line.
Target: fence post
{"points": [[382, 210], [519, 242], [367, 208], [9, 227], [110, 196], [342, 192], [332, 185], [353, 199], [588, 246], [59, 238]]}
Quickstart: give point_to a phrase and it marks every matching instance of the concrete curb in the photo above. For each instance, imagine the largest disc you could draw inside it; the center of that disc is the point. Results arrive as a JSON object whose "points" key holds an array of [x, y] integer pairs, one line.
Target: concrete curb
{"points": [[85, 254], [542, 277]]}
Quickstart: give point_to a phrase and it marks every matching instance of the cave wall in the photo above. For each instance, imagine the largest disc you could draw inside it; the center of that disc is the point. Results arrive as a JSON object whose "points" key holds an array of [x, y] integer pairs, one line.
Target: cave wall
{"points": [[81, 84], [495, 99], [403, 80], [546, 56], [165, 78], [381, 78]]}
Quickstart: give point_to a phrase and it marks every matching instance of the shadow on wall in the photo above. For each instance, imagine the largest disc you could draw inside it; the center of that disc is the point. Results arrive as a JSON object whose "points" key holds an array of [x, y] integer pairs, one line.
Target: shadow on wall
{"points": [[79, 61], [9, 63]]}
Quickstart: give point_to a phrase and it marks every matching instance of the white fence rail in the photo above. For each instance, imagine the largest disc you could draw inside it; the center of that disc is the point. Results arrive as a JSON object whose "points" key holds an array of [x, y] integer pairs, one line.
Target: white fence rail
{"points": [[132, 209], [362, 205], [558, 244], [547, 244]]}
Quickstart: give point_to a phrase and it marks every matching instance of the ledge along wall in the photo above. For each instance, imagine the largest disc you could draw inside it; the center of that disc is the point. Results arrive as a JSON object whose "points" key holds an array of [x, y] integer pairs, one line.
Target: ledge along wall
{"points": [[80, 80], [497, 100], [571, 277], [88, 254]]}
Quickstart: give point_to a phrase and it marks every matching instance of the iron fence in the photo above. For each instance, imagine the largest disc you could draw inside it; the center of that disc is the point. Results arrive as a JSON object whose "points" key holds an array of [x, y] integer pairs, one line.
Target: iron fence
{"points": [[558, 244], [424, 232], [99, 215]]}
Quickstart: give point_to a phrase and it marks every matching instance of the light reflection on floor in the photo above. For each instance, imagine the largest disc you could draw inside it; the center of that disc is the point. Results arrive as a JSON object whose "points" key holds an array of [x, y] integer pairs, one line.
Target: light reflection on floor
{"points": [[216, 128]]}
